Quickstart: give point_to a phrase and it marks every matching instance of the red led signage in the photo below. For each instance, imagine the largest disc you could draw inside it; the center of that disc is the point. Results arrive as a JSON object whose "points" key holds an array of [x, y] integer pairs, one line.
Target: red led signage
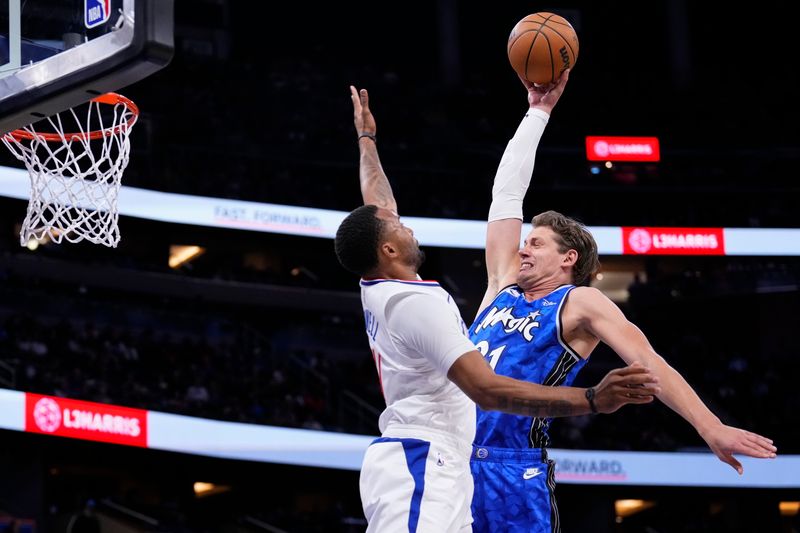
{"points": [[85, 420], [622, 149], [673, 241]]}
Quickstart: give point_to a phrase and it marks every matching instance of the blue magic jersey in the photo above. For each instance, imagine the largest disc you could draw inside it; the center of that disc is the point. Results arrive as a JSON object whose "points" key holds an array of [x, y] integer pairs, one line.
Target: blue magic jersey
{"points": [[523, 340]]}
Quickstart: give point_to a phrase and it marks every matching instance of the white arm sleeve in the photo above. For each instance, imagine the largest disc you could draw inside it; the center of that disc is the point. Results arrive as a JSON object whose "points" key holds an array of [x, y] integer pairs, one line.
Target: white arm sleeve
{"points": [[514, 173], [427, 326]]}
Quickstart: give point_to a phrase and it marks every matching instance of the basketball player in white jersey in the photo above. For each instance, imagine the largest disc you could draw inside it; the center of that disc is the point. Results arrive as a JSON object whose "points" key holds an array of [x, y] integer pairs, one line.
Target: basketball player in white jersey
{"points": [[416, 477]]}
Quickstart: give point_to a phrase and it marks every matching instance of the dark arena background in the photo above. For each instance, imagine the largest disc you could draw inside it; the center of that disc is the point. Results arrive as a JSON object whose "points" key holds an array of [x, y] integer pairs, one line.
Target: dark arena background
{"points": [[234, 338]]}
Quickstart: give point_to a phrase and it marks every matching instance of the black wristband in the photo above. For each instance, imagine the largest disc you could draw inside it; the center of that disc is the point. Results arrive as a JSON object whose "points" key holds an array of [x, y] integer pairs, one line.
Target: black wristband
{"points": [[368, 136], [590, 397]]}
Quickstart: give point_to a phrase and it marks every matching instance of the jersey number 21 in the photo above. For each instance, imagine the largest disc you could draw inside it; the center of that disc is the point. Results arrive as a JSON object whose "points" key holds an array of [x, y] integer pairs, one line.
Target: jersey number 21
{"points": [[494, 355]]}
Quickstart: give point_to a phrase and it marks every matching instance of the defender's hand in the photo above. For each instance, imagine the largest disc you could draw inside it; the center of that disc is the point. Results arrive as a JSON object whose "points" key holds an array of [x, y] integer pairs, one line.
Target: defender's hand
{"points": [[631, 384], [362, 116]]}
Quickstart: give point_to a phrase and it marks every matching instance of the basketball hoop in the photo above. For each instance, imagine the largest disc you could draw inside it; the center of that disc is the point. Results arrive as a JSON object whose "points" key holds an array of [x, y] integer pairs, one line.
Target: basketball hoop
{"points": [[75, 177]]}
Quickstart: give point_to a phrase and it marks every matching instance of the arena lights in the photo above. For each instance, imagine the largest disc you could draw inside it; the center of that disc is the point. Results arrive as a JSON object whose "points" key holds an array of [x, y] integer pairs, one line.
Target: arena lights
{"points": [[203, 489], [178, 254], [626, 508], [789, 508]]}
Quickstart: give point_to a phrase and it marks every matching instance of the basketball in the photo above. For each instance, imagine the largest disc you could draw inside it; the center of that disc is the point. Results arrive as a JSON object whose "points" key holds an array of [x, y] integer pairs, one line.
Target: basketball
{"points": [[541, 46]]}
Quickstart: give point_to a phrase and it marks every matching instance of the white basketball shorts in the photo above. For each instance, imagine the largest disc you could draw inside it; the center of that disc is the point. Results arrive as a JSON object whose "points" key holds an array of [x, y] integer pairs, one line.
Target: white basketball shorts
{"points": [[411, 485]]}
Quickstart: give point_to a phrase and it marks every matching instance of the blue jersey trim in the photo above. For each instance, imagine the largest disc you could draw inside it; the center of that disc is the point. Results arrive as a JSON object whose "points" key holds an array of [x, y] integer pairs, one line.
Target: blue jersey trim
{"points": [[488, 307], [369, 282], [560, 326], [416, 452]]}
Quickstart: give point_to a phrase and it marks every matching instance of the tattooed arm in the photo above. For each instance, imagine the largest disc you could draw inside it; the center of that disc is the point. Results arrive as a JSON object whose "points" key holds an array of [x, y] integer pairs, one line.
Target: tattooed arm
{"points": [[491, 392], [375, 188]]}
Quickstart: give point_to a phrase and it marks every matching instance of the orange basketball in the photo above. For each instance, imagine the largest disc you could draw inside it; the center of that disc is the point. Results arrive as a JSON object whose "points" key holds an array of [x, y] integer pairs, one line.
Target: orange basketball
{"points": [[541, 46]]}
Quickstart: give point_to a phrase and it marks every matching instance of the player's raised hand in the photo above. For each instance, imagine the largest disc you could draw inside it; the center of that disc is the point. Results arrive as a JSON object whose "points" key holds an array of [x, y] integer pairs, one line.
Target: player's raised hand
{"points": [[362, 116], [545, 96], [621, 386], [725, 441]]}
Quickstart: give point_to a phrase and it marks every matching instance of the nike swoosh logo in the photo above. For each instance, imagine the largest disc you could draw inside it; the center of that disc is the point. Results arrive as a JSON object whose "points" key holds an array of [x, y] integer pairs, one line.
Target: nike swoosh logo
{"points": [[529, 475]]}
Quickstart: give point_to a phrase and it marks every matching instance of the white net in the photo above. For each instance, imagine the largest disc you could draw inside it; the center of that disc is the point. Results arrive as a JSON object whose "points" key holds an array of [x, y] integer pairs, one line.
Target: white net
{"points": [[75, 161]]}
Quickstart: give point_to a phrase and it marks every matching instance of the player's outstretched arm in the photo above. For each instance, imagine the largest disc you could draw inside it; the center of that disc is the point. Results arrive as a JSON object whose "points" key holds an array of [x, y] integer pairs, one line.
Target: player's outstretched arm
{"points": [[725, 441], [601, 317], [375, 188], [491, 392], [510, 185], [425, 325]]}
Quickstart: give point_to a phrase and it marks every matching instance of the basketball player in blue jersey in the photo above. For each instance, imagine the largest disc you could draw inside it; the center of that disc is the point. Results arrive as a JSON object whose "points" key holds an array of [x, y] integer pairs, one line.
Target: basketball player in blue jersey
{"points": [[416, 476], [537, 322]]}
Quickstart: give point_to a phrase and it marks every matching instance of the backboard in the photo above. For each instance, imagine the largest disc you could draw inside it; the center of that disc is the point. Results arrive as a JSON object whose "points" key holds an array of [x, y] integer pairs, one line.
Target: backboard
{"points": [[56, 54]]}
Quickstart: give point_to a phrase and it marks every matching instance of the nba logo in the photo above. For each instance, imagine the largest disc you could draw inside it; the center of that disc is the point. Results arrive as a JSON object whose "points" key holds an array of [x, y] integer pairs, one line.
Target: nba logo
{"points": [[96, 12]]}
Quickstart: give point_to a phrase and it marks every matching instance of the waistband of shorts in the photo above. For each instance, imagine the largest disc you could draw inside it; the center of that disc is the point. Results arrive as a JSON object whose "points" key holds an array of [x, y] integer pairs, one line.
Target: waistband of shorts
{"points": [[508, 455], [408, 431]]}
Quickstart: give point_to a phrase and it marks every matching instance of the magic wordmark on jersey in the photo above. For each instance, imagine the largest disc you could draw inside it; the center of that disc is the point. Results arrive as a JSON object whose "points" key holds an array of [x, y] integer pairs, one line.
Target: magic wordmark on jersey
{"points": [[524, 325]]}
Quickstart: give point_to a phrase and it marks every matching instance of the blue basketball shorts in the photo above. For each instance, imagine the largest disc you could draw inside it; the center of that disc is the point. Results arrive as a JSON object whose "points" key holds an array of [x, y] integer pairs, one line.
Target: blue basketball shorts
{"points": [[514, 491]]}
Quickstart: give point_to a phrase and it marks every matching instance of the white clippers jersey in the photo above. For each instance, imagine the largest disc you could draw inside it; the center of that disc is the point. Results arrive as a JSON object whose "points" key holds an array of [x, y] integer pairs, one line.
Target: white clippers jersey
{"points": [[416, 333]]}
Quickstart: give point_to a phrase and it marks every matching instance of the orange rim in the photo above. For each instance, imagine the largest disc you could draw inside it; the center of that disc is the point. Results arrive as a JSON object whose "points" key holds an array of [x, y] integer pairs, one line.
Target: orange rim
{"points": [[108, 98]]}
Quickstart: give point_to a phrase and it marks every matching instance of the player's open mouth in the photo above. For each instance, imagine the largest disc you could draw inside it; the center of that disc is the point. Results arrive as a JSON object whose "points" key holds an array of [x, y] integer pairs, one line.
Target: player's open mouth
{"points": [[525, 266]]}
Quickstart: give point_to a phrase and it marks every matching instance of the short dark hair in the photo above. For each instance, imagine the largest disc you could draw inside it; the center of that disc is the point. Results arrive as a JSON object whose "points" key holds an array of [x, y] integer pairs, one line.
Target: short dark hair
{"points": [[572, 235], [357, 240]]}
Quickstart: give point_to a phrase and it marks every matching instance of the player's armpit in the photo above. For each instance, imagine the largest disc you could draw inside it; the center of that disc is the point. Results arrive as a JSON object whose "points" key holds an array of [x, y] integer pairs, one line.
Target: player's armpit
{"points": [[592, 311]]}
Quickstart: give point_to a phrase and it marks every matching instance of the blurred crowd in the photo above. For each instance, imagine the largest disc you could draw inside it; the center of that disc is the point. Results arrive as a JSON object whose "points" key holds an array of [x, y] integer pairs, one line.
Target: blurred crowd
{"points": [[294, 373], [312, 369]]}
